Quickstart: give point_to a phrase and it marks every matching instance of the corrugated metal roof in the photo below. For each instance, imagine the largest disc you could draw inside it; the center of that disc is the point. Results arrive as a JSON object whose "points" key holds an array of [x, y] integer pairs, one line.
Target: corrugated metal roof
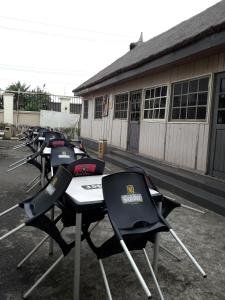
{"points": [[210, 21]]}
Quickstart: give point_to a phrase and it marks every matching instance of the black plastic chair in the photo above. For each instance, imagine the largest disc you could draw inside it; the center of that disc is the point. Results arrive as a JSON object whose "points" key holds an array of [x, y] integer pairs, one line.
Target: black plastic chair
{"points": [[35, 209], [135, 220]]}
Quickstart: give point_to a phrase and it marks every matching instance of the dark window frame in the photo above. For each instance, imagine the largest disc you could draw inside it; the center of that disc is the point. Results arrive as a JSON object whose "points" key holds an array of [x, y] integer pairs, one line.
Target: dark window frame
{"points": [[98, 107], [155, 102], [121, 103], [190, 99], [85, 108]]}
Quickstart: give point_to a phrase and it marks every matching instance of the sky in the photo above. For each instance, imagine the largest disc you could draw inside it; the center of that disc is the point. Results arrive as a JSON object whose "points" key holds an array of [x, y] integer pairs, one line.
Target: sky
{"points": [[59, 44]]}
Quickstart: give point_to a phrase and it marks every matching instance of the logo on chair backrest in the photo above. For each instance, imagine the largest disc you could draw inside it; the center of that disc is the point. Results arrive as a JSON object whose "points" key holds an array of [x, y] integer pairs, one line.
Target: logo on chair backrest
{"points": [[130, 189], [131, 197]]}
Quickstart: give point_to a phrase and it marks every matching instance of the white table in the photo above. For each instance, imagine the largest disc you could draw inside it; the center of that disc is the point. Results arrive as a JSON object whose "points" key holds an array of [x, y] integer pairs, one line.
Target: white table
{"points": [[85, 191]]}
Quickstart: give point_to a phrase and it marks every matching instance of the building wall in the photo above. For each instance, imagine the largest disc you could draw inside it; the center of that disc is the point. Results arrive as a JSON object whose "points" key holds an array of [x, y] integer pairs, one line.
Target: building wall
{"points": [[184, 144], [29, 118]]}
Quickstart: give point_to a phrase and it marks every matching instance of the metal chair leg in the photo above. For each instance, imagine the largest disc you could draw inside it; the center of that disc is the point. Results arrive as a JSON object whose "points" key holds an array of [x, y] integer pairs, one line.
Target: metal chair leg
{"points": [[12, 231], [135, 268], [153, 275], [32, 252], [188, 253], [105, 280], [27, 293], [8, 210]]}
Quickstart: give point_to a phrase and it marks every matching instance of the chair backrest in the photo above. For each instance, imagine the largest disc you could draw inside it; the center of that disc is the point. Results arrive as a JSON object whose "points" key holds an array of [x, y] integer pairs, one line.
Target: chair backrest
{"points": [[128, 200], [87, 166], [47, 197], [53, 143], [52, 135], [62, 156]]}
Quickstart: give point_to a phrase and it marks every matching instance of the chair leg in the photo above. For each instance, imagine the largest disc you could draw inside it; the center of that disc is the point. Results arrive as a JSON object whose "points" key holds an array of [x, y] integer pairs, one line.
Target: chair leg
{"points": [[153, 275], [8, 210], [33, 180], [105, 280], [188, 253], [32, 252], [193, 209], [12, 231], [27, 293], [169, 252], [135, 268]]}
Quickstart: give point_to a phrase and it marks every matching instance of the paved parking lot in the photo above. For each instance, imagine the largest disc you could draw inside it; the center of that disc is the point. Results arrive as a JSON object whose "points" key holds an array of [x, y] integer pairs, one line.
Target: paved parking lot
{"points": [[202, 234]]}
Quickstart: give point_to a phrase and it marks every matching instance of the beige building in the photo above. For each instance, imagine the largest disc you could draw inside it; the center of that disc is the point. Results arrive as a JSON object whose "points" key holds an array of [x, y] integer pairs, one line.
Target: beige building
{"points": [[165, 98]]}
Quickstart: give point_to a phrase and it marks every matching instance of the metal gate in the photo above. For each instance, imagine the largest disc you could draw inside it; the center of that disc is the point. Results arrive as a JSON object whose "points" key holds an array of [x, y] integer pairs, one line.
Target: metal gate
{"points": [[134, 121], [217, 167]]}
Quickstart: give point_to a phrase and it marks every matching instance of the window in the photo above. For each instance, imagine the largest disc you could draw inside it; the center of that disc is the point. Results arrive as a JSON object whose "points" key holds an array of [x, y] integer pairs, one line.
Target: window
{"points": [[121, 106], [98, 107], [155, 102], [189, 99], [85, 111]]}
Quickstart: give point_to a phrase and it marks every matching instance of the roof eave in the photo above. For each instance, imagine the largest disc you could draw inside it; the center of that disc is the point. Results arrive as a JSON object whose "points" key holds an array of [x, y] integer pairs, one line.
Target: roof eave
{"points": [[197, 44]]}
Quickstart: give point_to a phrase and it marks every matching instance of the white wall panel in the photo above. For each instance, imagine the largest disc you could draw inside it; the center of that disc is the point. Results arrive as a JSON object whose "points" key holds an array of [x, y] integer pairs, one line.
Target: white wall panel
{"points": [[152, 136]]}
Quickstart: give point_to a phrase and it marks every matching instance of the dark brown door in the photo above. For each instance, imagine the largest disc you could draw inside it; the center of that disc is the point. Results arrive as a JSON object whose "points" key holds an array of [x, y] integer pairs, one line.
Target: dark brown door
{"points": [[218, 134], [134, 121]]}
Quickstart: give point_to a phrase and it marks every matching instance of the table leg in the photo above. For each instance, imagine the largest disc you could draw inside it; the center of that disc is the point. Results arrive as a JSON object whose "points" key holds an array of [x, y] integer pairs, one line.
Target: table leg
{"points": [[43, 171], [156, 246], [76, 295], [51, 241]]}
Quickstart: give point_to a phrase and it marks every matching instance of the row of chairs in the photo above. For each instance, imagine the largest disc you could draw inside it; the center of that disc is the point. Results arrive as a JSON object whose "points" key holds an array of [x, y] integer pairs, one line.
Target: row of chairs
{"points": [[134, 225]]}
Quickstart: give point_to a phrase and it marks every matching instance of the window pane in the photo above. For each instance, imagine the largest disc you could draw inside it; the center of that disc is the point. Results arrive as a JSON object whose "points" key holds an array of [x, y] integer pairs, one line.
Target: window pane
{"points": [[175, 113], [156, 113], [193, 86], [191, 112], [151, 103], [184, 100], [163, 102], [156, 103], [185, 87], [202, 98], [157, 92], [161, 113], [183, 113], [176, 101], [163, 91], [147, 104], [222, 101], [221, 117], [150, 114], [146, 114], [192, 99], [152, 93], [203, 84], [222, 85], [147, 94], [201, 113], [177, 89]]}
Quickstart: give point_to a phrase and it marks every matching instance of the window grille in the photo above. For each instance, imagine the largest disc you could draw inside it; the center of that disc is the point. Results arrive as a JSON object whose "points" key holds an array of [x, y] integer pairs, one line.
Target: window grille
{"points": [[98, 107], [155, 102], [121, 106], [189, 100], [85, 111]]}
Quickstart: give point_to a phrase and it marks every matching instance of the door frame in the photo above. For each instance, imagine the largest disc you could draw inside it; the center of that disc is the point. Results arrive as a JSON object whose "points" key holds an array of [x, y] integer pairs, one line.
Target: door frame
{"points": [[128, 119], [213, 120]]}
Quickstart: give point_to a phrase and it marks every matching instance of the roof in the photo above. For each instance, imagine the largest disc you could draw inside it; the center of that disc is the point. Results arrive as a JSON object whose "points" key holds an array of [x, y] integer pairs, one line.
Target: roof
{"points": [[208, 22]]}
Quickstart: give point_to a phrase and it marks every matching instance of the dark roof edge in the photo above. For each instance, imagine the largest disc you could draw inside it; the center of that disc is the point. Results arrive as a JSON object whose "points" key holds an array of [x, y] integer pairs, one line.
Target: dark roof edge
{"points": [[201, 47], [184, 43]]}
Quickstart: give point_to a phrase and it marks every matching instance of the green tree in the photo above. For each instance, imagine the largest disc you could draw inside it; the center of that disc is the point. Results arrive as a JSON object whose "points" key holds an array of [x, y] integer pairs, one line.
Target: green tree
{"points": [[29, 99]]}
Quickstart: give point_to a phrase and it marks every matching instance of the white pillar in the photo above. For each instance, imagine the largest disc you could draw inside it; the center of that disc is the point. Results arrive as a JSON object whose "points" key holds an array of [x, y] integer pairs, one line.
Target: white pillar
{"points": [[65, 104], [8, 108]]}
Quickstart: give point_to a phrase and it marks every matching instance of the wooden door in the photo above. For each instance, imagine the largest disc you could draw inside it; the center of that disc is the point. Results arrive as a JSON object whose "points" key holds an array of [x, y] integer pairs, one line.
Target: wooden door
{"points": [[134, 121]]}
